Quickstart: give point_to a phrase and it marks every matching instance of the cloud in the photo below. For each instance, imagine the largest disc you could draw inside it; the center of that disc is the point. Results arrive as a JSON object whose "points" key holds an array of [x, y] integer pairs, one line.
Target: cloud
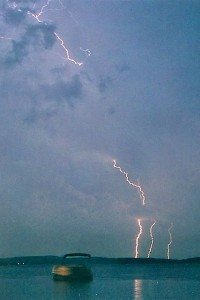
{"points": [[17, 54], [58, 143], [104, 83], [64, 92], [34, 115], [14, 17], [41, 34], [52, 97], [121, 68], [15, 12]]}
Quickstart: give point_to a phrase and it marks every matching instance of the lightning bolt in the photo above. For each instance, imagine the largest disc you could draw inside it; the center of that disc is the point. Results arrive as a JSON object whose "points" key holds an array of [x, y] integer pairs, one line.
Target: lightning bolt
{"points": [[135, 185], [67, 51], [41, 12], [152, 239], [170, 240], [138, 238], [37, 17], [87, 51], [58, 37]]}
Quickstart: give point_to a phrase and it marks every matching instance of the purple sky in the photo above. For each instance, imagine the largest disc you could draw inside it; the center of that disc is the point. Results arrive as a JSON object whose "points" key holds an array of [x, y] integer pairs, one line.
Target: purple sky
{"points": [[134, 99]]}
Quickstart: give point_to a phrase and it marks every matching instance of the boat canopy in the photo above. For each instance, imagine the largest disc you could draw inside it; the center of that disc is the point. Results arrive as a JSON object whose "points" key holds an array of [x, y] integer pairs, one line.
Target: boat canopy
{"points": [[77, 255]]}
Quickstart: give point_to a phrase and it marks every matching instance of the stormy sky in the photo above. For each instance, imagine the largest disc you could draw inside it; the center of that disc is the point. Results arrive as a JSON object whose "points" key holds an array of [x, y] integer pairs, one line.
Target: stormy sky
{"points": [[134, 99]]}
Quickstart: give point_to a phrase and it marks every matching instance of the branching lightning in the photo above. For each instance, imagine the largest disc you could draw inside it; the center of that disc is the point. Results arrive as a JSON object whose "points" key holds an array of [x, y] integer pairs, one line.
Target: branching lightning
{"points": [[37, 17], [135, 185], [152, 238], [41, 12], [170, 240], [138, 238], [58, 37]]}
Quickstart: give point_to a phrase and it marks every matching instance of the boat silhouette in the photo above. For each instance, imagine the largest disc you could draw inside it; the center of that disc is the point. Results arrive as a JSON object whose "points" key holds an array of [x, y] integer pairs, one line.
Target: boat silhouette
{"points": [[73, 267]]}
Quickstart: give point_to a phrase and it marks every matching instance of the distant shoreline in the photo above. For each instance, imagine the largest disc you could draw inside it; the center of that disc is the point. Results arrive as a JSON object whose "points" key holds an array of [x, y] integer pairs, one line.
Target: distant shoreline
{"points": [[50, 259]]}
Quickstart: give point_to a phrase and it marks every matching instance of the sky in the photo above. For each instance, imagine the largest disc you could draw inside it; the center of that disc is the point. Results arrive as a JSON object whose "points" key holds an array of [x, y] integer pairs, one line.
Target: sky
{"points": [[128, 90]]}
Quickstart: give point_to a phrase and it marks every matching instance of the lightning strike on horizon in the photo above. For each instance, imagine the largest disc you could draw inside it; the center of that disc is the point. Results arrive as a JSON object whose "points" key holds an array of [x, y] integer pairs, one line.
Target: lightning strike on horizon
{"points": [[37, 17], [138, 238], [152, 239], [170, 241], [138, 186]]}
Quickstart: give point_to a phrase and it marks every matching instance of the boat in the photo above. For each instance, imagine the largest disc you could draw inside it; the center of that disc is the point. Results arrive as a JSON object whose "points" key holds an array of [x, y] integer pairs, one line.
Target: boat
{"points": [[73, 267]]}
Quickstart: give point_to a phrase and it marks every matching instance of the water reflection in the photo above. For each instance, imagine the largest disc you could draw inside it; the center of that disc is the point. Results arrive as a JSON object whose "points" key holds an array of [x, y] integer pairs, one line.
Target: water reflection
{"points": [[137, 289], [71, 290]]}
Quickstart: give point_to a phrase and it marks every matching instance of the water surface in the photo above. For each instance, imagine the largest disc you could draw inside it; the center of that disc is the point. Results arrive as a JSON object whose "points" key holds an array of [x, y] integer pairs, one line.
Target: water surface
{"points": [[110, 282]]}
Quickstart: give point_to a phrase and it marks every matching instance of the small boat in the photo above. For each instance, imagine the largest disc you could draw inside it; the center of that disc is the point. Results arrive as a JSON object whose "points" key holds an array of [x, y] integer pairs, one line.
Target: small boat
{"points": [[73, 268]]}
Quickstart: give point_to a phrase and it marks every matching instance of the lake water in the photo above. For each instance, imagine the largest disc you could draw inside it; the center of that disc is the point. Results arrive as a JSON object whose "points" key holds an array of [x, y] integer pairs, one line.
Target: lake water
{"points": [[110, 282]]}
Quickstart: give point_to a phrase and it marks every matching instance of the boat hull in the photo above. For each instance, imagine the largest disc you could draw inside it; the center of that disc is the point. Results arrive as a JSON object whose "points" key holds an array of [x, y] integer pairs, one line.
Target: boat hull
{"points": [[72, 273]]}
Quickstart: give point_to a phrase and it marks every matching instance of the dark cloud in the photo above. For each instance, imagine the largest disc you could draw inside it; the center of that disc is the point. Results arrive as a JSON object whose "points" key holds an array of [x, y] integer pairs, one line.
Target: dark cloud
{"points": [[42, 33], [53, 97], [104, 83], [14, 10], [18, 53], [34, 36], [15, 17], [63, 92], [121, 68], [35, 115], [111, 111], [59, 72]]}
